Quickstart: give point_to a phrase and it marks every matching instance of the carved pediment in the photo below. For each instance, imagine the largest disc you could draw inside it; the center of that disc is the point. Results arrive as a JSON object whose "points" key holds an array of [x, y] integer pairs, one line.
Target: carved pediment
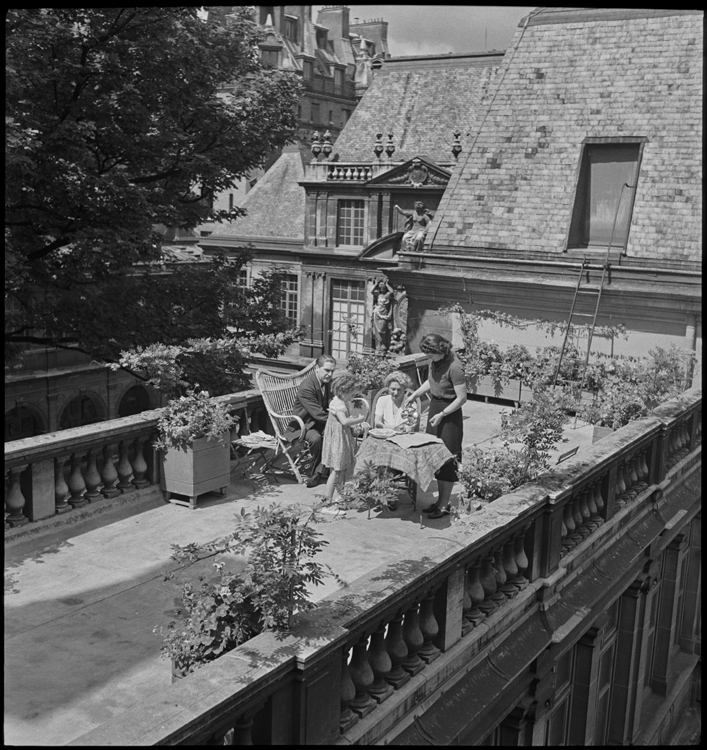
{"points": [[418, 172], [384, 248]]}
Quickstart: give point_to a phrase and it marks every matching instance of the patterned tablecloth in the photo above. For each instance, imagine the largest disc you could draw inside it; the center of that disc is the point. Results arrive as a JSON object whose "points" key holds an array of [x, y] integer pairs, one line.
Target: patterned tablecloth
{"points": [[419, 462]]}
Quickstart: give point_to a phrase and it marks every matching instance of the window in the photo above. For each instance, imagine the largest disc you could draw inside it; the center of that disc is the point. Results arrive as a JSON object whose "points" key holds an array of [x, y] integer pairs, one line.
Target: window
{"points": [[230, 201], [345, 114], [290, 298], [269, 57], [80, 411], [316, 114], [243, 278], [605, 679], [348, 314], [602, 198], [350, 223], [308, 70], [338, 79], [291, 29], [331, 116]]}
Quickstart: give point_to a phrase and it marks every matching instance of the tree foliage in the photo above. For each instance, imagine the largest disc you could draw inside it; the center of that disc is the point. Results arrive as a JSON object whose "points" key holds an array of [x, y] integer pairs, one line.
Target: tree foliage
{"points": [[121, 122]]}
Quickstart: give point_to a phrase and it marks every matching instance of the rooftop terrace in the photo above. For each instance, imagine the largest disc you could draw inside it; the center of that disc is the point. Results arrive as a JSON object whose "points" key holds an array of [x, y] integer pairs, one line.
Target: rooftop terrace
{"points": [[80, 652]]}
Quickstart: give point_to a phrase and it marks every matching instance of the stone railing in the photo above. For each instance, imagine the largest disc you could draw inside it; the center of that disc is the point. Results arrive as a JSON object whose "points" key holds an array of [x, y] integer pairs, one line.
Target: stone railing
{"points": [[328, 171], [376, 652], [62, 471]]}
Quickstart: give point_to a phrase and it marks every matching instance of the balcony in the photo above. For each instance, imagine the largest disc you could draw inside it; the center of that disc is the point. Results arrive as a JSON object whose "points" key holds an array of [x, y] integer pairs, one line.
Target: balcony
{"points": [[434, 603]]}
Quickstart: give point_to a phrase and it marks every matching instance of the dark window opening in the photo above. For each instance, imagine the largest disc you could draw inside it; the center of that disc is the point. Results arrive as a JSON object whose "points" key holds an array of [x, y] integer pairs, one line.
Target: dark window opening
{"points": [[604, 200]]}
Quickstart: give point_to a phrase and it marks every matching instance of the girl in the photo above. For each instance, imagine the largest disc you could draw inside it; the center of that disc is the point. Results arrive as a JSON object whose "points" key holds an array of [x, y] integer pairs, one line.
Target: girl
{"points": [[339, 444]]}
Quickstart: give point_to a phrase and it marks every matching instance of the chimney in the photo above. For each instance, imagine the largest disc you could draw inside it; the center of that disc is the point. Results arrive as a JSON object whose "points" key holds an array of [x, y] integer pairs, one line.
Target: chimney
{"points": [[336, 19]]}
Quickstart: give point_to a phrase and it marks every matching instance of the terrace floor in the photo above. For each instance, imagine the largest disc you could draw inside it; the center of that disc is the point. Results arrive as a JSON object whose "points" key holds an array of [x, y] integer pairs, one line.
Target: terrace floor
{"points": [[79, 641]]}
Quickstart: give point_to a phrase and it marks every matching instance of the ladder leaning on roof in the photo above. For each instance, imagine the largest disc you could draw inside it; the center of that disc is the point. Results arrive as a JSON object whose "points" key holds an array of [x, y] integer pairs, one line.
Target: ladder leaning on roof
{"points": [[606, 274]]}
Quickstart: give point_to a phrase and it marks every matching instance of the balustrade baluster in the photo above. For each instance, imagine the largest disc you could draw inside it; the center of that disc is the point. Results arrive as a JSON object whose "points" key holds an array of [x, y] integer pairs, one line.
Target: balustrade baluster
{"points": [[91, 477], [398, 651], [61, 488], [362, 677], [347, 717], [698, 429], [124, 469], [521, 581], [413, 640], [499, 595], [631, 478], [510, 568], [488, 582], [633, 473], [685, 437], [381, 664], [139, 464], [109, 475], [77, 486], [591, 507], [599, 499], [429, 628], [641, 471], [243, 729], [466, 606], [576, 536], [15, 499], [680, 439], [584, 529], [476, 594], [672, 446], [568, 523], [620, 485]]}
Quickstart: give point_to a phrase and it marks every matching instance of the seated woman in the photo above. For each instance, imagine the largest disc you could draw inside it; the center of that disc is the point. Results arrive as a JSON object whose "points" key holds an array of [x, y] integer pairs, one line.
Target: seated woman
{"points": [[390, 411]]}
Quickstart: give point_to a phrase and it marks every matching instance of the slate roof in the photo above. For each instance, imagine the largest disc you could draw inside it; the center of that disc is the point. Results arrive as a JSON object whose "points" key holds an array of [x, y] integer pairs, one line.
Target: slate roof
{"points": [[578, 74], [275, 205], [421, 101]]}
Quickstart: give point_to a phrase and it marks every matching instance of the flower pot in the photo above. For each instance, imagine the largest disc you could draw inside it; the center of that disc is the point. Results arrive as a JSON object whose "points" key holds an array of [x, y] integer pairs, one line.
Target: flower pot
{"points": [[204, 467], [484, 386]]}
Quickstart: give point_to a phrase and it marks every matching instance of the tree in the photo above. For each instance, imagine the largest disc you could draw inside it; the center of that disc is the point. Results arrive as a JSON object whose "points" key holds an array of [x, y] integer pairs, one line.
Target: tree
{"points": [[120, 121]]}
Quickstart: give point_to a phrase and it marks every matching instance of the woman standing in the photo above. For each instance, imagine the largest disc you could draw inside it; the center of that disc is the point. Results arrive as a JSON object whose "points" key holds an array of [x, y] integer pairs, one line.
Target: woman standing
{"points": [[447, 387]]}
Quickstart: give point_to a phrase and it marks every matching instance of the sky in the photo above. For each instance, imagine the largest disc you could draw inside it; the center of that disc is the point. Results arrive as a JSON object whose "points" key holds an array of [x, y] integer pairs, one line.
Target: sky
{"points": [[438, 29]]}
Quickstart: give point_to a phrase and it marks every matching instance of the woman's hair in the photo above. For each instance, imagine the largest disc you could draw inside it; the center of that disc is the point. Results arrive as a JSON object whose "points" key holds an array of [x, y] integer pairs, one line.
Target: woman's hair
{"points": [[399, 377], [433, 343], [347, 382]]}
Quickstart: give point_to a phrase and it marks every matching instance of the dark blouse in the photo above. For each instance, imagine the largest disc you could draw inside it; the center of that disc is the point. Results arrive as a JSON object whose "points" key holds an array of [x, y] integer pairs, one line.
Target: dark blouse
{"points": [[444, 375]]}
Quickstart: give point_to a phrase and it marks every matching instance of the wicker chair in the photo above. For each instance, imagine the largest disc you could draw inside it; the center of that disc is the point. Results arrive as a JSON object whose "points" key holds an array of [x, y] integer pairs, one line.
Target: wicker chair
{"points": [[279, 393]]}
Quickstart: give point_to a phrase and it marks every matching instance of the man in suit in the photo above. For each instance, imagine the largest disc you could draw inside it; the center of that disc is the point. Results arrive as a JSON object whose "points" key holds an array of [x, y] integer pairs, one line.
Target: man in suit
{"points": [[311, 406]]}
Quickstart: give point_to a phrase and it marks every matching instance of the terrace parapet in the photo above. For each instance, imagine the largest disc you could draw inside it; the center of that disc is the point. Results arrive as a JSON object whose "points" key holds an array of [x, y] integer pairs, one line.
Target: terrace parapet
{"points": [[359, 668]]}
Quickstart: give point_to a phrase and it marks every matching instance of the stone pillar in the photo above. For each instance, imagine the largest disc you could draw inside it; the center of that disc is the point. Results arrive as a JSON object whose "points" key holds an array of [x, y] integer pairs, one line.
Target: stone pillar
{"points": [[667, 616], [385, 217], [627, 683], [40, 490], [448, 607], [53, 406], [584, 694]]}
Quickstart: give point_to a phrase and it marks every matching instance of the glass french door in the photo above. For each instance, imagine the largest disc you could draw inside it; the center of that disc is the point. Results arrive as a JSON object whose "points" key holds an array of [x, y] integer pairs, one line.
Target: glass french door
{"points": [[348, 312]]}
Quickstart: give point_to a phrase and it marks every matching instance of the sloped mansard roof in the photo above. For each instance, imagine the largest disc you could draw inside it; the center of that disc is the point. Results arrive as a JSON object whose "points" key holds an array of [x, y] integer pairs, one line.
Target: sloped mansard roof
{"points": [[275, 205], [421, 101], [589, 73]]}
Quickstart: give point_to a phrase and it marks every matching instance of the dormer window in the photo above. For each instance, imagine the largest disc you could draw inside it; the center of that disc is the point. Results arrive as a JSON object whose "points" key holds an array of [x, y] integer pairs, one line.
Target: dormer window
{"points": [[291, 29], [308, 70], [269, 57]]}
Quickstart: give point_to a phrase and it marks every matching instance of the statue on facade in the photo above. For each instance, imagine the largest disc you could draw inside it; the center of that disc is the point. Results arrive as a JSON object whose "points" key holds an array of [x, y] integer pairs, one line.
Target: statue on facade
{"points": [[417, 222], [398, 337], [382, 318]]}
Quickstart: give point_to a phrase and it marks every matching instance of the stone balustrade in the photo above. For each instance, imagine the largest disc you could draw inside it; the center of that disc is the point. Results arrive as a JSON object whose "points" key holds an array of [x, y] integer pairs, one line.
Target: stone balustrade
{"points": [[62, 471], [361, 664]]}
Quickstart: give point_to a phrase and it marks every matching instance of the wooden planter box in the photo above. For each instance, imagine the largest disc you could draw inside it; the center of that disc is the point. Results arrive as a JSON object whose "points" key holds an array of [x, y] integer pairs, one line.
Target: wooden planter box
{"points": [[203, 468], [513, 390]]}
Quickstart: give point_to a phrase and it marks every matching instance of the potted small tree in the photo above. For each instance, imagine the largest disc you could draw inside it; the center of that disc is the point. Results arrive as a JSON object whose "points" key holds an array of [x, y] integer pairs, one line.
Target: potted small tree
{"points": [[195, 444]]}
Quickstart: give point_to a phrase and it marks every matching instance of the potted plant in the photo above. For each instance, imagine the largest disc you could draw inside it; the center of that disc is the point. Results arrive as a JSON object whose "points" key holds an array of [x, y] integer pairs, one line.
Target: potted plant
{"points": [[224, 612], [194, 437]]}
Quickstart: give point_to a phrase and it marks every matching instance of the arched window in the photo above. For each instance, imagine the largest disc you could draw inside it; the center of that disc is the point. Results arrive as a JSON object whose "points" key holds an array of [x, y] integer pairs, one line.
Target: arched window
{"points": [[80, 411], [134, 401], [21, 422]]}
